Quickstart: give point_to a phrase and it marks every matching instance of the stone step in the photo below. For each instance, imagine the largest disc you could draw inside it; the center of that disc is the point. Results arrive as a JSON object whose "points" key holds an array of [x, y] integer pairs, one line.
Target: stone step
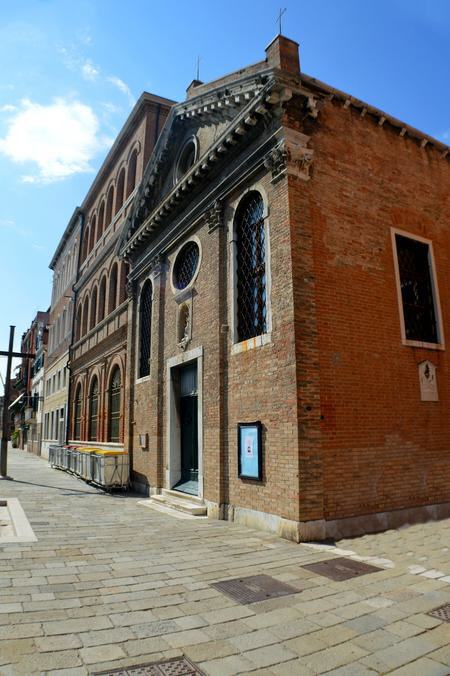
{"points": [[180, 504], [178, 495]]}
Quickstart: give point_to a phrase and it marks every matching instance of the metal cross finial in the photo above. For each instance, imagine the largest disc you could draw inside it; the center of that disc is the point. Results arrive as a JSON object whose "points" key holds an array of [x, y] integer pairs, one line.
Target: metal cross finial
{"points": [[280, 14], [198, 68]]}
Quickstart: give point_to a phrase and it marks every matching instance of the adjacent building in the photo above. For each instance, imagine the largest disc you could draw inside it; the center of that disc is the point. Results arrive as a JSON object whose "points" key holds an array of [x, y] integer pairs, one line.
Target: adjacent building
{"points": [[98, 354], [64, 265]]}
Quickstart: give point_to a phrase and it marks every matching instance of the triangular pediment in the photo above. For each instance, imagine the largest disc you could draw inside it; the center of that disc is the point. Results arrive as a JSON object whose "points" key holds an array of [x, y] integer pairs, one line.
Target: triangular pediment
{"points": [[220, 121]]}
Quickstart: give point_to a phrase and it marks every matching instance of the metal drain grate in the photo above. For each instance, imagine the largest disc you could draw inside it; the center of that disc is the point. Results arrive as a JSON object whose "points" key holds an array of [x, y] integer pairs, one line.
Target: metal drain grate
{"points": [[254, 588], [441, 613], [178, 666], [341, 569]]}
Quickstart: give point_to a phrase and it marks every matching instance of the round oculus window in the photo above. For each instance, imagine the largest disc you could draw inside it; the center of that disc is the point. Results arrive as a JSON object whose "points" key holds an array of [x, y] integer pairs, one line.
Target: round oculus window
{"points": [[186, 265], [186, 159]]}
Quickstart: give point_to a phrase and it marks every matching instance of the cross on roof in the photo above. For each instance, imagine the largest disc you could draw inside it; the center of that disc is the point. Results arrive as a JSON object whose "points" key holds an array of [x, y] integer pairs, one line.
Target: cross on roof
{"points": [[279, 17]]}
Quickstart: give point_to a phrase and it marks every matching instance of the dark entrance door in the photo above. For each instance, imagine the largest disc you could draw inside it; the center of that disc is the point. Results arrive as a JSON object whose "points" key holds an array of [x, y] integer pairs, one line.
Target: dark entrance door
{"points": [[188, 429]]}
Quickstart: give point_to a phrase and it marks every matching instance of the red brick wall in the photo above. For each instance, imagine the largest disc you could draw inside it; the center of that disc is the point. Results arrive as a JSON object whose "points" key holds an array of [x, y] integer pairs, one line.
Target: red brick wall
{"points": [[383, 448]]}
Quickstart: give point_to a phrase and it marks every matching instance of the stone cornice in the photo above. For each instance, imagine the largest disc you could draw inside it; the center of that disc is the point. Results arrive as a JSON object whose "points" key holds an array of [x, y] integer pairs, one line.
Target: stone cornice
{"points": [[264, 105]]}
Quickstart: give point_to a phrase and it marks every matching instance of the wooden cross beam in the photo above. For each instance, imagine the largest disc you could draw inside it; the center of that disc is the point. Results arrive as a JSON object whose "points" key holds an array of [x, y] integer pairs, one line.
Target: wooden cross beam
{"points": [[7, 395]]}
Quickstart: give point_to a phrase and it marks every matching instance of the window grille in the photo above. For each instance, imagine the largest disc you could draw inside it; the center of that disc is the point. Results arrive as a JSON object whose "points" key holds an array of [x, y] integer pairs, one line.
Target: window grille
{"points": [[186, 265], [77, 426], [145, 337], [114, 406], [251, 268], [93, 412], [417, 290]]}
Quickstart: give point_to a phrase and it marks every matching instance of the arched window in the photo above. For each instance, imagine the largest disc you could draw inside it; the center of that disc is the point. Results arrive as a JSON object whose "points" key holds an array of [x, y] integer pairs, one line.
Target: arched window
{"points": [[131, 174], [251, 267], [78, 324], [92, 239], [145, 329], [93, 411], [85, 316], [101, 220], [120, 190], [124, 269], [93, 314], [109, 206], [112, 295], [102, 299], [114, 406], [85, 249], [77, 414]]}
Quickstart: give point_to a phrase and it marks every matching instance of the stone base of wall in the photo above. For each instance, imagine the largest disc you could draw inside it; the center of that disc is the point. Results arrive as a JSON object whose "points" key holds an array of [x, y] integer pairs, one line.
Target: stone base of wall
{"points": [[307, 531]]}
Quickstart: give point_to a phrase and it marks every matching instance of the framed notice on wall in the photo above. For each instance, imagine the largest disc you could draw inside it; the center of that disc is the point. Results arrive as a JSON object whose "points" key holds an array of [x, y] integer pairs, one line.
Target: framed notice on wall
{"points": [[249, 451]]}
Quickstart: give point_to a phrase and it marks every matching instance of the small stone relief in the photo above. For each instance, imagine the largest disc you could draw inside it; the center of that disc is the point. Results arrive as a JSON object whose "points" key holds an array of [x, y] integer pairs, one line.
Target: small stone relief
{"points": [[276, 161], [299, 156], [428, 382], [214, 216], [184, 326]]}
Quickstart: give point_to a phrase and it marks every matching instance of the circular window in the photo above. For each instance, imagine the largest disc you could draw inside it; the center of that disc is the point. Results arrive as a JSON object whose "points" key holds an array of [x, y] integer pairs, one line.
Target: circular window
{"points": [[186, 265], [186, 159]]}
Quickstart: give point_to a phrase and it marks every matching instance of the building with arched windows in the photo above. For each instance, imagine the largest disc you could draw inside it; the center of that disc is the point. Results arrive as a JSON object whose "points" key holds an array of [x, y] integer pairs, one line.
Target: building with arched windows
{"points": [[98, 354], [284, 324]]}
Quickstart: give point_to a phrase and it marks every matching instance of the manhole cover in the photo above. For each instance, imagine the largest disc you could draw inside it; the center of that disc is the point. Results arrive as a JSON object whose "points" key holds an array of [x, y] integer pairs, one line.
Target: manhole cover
{"points": [[254, 588], [441, 613], [178, 666], [341, 569]]}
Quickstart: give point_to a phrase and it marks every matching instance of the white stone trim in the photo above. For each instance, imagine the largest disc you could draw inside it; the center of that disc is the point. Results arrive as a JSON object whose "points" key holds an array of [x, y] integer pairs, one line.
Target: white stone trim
{"points": [[173, 455], [264, 339], [173, 258], [440, 345]]}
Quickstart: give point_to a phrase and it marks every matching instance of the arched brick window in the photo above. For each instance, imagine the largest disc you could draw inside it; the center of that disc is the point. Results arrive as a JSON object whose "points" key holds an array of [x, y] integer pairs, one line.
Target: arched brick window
{"points": [[85, 316], [124, 269], [114, 406], [112, 295], [101, 220], [93, 313], [93, 411], [131, 173], [92, 235], [102, 299], [78, 403], [120, 190], [85, 247], [251, 267], [145, 329], [109, 206], [78, 324]]}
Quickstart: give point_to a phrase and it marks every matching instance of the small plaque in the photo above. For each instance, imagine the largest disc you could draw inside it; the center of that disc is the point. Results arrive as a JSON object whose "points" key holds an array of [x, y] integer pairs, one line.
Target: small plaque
{"points": [[254, 588], [341, 569], [428, 382], [143, 441]]}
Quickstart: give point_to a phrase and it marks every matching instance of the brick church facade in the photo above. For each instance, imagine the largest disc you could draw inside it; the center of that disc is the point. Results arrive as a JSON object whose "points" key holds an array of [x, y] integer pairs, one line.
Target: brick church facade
{"points": [[281, 346]]}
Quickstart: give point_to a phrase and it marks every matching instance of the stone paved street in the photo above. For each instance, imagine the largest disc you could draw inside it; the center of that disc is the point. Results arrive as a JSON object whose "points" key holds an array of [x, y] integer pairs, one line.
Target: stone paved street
{"points": [[111, 583]]}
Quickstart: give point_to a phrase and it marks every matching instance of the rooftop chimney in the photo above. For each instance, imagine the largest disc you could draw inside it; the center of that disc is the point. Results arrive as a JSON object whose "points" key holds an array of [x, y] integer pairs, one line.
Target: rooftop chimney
{"points": [[283, 53], [190, 90]]}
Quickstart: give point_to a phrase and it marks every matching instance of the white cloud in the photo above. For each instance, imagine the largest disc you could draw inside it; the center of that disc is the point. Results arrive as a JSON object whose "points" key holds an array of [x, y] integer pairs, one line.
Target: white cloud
{"points": [[123, 87], [90, 72], [60, 139], [7, 108]]}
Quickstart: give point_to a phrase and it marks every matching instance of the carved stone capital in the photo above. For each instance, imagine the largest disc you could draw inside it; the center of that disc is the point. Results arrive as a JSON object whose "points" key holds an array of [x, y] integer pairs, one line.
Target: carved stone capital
{"points": [[299, 156], [214, 216], [157, 264], [130, 288], [276, 161]]}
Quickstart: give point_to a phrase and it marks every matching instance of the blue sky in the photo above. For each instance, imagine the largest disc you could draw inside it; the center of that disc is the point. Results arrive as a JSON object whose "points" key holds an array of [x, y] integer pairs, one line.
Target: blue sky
{"points": [[71, 72]]}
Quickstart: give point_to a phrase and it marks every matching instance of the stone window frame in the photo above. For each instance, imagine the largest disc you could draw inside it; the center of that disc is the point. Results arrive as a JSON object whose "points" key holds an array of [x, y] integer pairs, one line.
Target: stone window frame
{"points": [[148, 278], [238, 346], [177, 176], [440, 345], [173, 258]]}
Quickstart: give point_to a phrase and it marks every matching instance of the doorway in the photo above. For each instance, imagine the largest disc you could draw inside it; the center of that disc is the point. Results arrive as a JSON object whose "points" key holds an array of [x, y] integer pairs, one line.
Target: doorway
{"points": [[188, 417]]}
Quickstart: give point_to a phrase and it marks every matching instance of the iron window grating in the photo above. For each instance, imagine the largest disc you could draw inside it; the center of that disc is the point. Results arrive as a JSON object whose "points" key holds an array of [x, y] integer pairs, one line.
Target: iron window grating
{"points": [[251, 268], [145, 330], [416, 287], [185, 265]]}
